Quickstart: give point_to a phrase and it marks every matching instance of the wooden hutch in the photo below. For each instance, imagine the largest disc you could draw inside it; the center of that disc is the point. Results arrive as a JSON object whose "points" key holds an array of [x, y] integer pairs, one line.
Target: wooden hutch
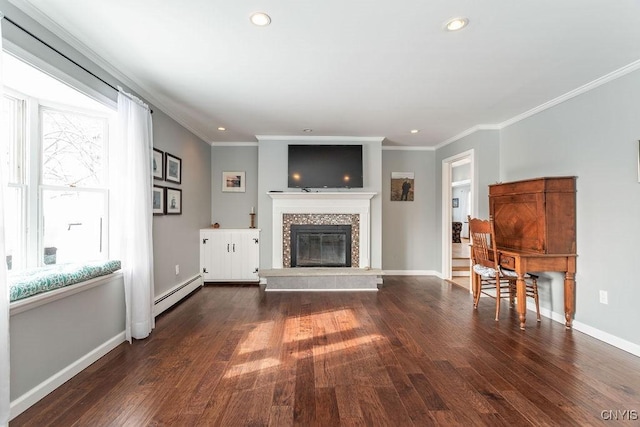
{"points": [[535, 226]]}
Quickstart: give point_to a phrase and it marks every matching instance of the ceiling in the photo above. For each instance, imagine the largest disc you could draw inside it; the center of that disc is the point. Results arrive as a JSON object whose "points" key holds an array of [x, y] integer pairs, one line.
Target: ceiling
{"points": [[376, 68]]}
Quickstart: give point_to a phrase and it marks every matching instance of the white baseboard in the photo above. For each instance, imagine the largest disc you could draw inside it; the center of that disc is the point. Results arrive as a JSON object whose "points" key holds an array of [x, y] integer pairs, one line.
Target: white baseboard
{"points": [[412, 273], [606, 337], [28, 399], [174, 295], [322, 290]]}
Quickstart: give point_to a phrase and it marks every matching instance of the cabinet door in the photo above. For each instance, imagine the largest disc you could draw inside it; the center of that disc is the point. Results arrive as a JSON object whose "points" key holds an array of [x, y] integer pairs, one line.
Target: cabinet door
{"points": [[221, 256], [206, 255], [246, 256]]}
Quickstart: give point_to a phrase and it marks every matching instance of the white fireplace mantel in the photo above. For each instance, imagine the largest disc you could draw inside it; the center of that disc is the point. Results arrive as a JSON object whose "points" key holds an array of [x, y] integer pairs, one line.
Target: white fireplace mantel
{"points": [[324, 202]]}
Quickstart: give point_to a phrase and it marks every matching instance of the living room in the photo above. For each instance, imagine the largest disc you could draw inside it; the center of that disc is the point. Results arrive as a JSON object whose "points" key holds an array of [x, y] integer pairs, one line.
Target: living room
{"points": [[590, 132]]}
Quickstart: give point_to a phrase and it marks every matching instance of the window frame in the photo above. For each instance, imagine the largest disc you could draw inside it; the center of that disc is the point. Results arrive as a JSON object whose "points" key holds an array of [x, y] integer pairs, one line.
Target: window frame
{"points": [[31, 245]]}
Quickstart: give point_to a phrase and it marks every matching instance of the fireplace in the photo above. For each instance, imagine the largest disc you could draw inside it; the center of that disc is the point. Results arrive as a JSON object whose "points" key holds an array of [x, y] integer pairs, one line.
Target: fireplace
{"points": [[321, 208], [320, 245]]}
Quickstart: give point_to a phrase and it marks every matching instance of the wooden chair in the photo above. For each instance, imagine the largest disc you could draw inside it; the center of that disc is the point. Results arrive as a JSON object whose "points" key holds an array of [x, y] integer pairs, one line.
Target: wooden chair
{"points": [[489, 277]]}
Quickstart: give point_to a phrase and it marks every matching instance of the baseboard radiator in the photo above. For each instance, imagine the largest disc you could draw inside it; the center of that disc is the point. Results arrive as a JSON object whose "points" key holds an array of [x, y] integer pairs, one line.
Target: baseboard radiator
{"points": [[175, 294]]}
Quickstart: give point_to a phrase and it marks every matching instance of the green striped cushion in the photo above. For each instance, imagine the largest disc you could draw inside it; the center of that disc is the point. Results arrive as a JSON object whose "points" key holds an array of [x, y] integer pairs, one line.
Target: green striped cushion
{"points": [[25, 283]]}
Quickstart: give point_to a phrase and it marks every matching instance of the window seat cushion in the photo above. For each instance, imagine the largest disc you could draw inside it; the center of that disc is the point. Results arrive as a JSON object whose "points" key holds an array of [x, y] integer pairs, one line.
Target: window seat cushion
{"points": [[26, 283]]}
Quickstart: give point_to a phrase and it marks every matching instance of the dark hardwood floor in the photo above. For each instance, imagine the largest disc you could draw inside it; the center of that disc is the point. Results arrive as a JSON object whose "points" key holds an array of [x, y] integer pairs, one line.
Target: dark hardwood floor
{"points": [[414, 353]]}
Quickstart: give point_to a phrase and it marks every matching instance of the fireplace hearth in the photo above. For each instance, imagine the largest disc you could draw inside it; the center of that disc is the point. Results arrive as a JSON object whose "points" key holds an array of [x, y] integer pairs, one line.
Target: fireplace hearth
{"points": [[320, 245]]}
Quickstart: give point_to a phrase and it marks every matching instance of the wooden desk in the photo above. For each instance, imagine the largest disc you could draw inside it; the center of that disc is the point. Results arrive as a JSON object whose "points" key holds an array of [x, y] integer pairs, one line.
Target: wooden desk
{"points": [[535, 230], [523, 262]]}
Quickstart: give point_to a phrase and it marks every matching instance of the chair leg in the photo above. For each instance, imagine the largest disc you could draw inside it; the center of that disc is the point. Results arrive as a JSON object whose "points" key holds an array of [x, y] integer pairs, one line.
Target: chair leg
{"points": [[535, 297], [512, 293], [497, 299], [477, 285]]}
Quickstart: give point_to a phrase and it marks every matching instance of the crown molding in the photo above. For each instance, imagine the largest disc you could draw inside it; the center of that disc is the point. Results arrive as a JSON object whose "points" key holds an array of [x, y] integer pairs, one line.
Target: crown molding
{"points": [[467, 132], [320, 138], [131, 83], [234, 144], [572, 94], [634, 66], [407, 148]]}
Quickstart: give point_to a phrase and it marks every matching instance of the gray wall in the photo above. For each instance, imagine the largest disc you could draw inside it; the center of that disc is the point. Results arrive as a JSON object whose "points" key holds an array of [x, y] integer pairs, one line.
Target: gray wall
{"points": [[231, 210], [272, 175], [175, 237], [48, 338], [409, 228], [593, 136], [486, 170]]}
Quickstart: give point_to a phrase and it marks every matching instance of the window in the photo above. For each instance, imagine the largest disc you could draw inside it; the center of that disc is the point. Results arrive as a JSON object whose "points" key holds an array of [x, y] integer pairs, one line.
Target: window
{"points": [[14, 149], [56, 142]]}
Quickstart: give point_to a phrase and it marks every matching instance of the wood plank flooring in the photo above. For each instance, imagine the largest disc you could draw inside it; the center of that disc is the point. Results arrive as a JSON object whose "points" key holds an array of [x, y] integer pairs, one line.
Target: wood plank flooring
{"points": [[413, 354]]}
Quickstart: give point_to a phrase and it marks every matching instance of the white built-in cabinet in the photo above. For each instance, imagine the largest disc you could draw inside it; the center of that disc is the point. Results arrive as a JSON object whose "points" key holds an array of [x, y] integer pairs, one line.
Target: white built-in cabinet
{"points": [[229, 255]]}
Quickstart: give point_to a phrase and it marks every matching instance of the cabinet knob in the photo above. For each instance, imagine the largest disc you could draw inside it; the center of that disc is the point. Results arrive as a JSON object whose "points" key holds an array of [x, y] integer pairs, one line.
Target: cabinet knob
{"points": [[204, 241], [255, 240]]}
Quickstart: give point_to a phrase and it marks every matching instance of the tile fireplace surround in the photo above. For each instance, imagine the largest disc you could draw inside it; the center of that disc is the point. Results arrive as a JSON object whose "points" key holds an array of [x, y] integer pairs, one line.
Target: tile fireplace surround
{"points": [[320, 208]]}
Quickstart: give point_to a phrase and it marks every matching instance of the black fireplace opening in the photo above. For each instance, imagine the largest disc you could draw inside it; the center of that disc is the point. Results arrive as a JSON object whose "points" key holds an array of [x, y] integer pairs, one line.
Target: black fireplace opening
{"points": [[320, 245]]}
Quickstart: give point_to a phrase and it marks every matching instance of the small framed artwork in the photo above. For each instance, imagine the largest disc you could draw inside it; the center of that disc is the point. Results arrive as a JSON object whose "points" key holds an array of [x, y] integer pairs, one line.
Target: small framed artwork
{"points": [[402, 186], [638, 161], [158, 200], [233, 182], [173, 201], [456, 202], [173, 168], [157, 164]]}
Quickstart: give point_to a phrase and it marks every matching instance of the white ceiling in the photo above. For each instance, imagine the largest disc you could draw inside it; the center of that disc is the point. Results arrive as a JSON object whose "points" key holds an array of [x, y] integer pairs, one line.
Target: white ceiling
{"points": [[375, 68]]}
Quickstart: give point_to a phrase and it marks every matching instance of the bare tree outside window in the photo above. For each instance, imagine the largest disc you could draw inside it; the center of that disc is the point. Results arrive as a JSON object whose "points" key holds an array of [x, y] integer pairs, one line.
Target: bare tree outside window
{"points": [[73, 146], [73, 149]]}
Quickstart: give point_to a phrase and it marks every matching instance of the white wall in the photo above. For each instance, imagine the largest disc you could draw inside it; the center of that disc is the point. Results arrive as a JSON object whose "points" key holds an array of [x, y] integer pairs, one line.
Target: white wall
{"points": [[593, 136]]}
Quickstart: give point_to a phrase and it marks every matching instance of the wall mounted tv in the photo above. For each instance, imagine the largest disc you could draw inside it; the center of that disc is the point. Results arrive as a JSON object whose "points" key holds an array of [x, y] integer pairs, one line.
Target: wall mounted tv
{"points": [[325, 166]]}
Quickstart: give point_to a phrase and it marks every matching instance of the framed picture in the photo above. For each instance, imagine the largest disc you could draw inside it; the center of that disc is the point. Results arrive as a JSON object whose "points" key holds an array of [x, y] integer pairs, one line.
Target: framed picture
{"points": [[173, 168], [157, 164], [158, 204], [456, 202], [233, 182], [402, 186], [638, 161], [174, 201]]}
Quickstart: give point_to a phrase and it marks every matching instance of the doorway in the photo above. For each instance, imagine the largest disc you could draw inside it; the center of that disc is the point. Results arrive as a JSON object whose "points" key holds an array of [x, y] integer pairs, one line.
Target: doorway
{"points": [[458, 202]]}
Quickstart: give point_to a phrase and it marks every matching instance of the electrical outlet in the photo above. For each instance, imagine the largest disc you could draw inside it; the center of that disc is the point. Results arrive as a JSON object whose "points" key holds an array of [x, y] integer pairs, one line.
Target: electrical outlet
{"points": [[177, 269], [604, 297]]}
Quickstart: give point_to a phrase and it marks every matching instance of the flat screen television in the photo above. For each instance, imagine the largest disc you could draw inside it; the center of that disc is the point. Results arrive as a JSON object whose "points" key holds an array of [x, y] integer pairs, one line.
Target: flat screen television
{"points": [[325, 166]]}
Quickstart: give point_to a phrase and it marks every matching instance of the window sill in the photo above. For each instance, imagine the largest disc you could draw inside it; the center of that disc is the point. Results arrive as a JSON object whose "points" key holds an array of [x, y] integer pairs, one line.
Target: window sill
{"points": [[34, 301]]}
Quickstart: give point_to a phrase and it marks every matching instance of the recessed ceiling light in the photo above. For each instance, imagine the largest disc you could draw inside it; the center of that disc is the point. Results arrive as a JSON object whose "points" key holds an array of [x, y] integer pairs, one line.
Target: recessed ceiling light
{"points": [[415, 130], [222, 128], [307, 130], [260, 19], [456, 24]]}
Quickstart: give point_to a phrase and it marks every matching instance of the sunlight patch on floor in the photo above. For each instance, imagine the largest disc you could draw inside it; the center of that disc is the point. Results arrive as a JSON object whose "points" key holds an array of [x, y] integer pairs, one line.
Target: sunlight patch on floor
{"points": [[251, 366], [257, 339]]}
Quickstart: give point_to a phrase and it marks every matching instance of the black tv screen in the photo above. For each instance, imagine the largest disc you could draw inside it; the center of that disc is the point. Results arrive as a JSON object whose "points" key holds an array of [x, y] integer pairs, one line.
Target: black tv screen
{"points": [[325, 166]]}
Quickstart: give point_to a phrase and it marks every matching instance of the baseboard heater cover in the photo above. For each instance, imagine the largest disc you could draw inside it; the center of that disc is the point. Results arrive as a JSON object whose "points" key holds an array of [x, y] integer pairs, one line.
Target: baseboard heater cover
{"points": [[172, 296]]}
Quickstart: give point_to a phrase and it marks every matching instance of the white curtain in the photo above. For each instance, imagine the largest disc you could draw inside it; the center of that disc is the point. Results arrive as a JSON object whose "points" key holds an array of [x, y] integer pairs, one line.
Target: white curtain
{"points": [[131, 214], [4, 287]]}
